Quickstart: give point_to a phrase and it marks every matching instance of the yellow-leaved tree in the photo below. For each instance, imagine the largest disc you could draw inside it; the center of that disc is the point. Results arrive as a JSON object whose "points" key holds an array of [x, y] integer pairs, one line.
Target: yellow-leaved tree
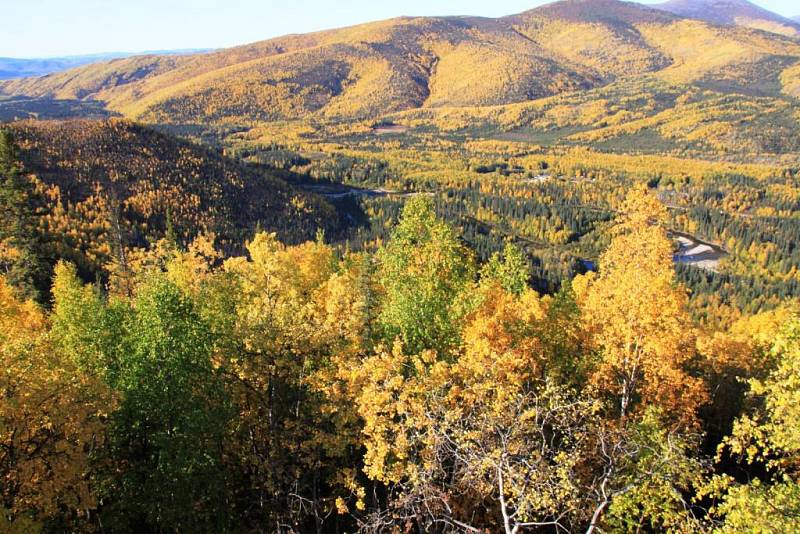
{"points": [[769, 436], [298, 317], [637, 314], [501, 432], [52, 418]]}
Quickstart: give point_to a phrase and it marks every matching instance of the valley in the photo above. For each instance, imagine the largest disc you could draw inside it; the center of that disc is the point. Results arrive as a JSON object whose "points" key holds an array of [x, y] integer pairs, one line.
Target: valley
{"points": [[536, 273]]}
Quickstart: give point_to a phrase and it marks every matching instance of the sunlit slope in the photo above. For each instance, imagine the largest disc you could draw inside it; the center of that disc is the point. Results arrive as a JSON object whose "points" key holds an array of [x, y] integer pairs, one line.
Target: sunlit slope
{"points": [[95, 79], [701, 52], [601, 35], [648, 115], [375, 69]]}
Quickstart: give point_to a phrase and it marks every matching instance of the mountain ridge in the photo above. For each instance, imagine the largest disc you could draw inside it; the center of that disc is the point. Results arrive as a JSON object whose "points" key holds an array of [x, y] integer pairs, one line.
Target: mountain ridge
{"points": [[374, 69]]}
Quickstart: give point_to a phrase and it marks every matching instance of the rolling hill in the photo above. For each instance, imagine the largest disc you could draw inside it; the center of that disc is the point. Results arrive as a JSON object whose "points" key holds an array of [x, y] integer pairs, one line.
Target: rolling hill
{"points": [[622, 68]]}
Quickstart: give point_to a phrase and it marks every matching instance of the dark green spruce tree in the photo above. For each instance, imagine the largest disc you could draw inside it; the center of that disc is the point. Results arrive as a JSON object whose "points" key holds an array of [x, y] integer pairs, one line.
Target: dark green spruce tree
{"points": [[22, 258]]}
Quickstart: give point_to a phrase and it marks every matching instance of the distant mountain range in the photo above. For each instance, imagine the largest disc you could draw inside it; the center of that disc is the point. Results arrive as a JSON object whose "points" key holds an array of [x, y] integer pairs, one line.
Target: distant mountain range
{"points": [[21, 67], [738, 12]]}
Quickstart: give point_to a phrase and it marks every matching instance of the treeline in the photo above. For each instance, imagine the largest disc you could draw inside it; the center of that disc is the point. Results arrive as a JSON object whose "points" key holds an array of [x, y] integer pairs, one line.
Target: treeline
{"points": [[299, 389]]}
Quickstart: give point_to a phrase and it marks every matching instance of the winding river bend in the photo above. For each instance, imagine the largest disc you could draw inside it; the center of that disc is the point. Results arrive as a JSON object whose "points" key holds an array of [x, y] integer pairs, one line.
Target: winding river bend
{"points": [[342, 190], [694, 251]]}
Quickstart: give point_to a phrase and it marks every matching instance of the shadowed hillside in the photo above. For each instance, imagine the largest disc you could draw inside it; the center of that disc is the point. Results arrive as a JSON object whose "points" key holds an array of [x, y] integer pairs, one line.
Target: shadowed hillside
{"points": [[104, 186]]}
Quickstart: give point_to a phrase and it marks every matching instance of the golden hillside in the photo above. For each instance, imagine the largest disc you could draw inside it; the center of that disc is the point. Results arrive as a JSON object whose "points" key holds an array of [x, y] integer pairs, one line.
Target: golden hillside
{"points": [[374, 69]]}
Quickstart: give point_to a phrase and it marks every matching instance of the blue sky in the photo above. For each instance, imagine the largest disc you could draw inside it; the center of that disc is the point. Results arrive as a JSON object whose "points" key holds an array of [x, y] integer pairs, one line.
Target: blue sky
{"points": [[46, 28]]}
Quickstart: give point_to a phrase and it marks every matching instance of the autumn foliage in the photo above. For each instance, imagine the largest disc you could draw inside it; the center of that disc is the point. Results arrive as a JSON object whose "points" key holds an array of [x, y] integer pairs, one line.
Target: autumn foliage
{"points": [[299, 388]]}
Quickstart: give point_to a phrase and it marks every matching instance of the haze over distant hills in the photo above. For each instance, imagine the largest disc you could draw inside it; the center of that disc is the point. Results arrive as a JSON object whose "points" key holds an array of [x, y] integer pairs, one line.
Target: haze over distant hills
{"points": [[739, 12], [23, 67]]}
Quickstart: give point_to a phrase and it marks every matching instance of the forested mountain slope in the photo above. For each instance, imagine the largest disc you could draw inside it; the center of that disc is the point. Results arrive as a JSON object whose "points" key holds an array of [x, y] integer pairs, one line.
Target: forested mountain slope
{"points": [[409, 63]]}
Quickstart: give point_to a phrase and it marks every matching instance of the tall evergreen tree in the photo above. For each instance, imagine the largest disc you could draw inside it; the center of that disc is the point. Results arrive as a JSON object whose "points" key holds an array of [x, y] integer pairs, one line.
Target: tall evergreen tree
{"points": [[21, 252]]}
